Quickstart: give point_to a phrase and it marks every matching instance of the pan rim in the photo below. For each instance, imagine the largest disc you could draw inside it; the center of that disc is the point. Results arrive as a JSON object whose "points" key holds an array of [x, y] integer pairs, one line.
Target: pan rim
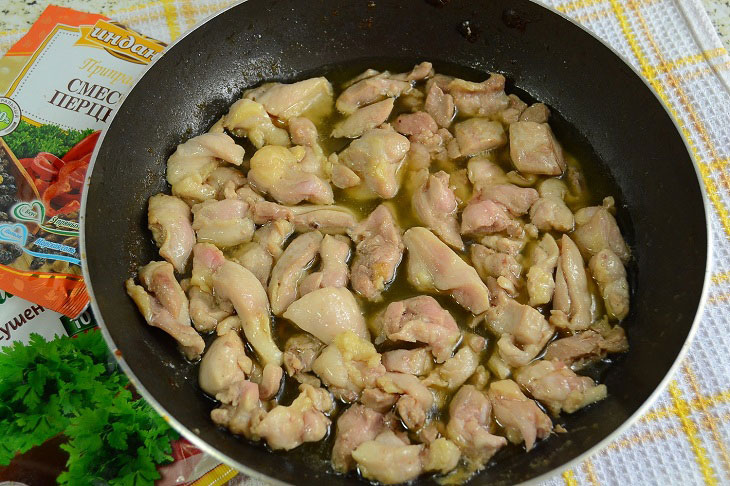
{"points": [[225, 459]]}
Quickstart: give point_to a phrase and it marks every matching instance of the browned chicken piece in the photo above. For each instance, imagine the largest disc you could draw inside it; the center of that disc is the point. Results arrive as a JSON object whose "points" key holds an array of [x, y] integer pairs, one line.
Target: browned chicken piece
{"points": [[206, 260], [540, 281], [596, 230], [379, 249], [550, 211], [223, 223], [456, 370], [421, 319], [477, 135], [501, 266], [277, 171], [514, 109], [290, 269], [415, 400], [537, 112], [520, 417], [470, 414], [440, 106], [370, 90], [333, 271], [434, 267], [356, 425], [571, 300], [311, 96], [416, 362], [348, 365], [610, 275], [233, 282], [242, 418], [376, 157], [435, 205], [523, 331], [364, 119], [224, 367], [586, 347], [247, 118], [325, 219], [486, 217], [517, 200], [168, 217], [557, 387], [327, 312], [479, 99], [163, 304], [193, 161], [300, 351], [205, 310], [226, 181], [534, 150], [305, 420]]}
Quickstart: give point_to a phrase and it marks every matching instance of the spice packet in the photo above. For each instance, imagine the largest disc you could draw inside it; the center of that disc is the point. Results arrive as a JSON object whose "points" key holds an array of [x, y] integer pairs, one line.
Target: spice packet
{"points": [[59, 85]]}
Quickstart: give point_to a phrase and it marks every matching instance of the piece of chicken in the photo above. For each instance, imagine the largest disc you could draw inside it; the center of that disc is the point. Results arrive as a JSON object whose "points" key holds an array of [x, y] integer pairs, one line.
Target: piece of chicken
{"points": [[377, 157], [416, 362], [311, 96], [331, 219], [610, 275], [534, 150], [557, 387], [192, 162], [364, 119], [440, 106], [247, 118], [163, 304], [304, 133], [379, 249], [596, 230], [434, 267], [477, 135], [242, 418], [356, 425], [223, 223], [520, 417], [540, 281], [571, 300], [290, 270], [277, 171], [456, 370], [415, 401], [468, 427], [485, 217], [421, 319], [226, 180], [435, 205], [370, 90], [300, 351], [587, 347], [333, 272], [207, 258], [517, 200], [501, 266], [479, 99], [233, 282], [224, 367], [327, 312], [550, 211], [206, 311], [168, 217]]}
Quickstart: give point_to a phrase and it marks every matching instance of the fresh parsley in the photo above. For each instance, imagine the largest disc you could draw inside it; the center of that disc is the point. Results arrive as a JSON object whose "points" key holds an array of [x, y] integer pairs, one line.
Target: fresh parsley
{"points": [[28, 140]]}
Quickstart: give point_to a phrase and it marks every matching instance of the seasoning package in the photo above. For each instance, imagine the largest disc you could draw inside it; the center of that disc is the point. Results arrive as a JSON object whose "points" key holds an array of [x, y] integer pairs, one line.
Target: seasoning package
{"points": [[61, 82]]}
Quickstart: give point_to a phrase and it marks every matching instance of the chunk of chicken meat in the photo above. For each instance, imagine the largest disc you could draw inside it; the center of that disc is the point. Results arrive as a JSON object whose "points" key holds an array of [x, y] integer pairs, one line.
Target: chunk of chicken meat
{"points": [[537, 112], [206, 310], [226, 181], [479, 99], [517, 200], [435, 204], [596, 230], [510, 246], [356, 425], [255, 259], [558, 387], [326, 219], [415, 401], [311, 96], [267, 245], [416, 362], [378, 400], [486, 217], [523, 331], [242, 418], [304, 133], [456, 370], [333, 271], [206, 260], [440, 106], [277, 171], [247, 118], [305, 420], [290, 269], [370, 90], [501, 266], [515, 108], [477, 135], [193, 161], [364, 119], [610, 275], [224, 367], [483, 172], [540, 281], [421, 319], [233, 282], [223, 223], [534, 150], [550, 211], [327, 312], [163, 304], [377, 157], [520, 417], [468, 427], [420, 71], [168, 217], [300, 352], [379, 249], [571, 301], [348, 365], [586, 347], [341, 176], [434, 267], [273, 235], [270, 381]]}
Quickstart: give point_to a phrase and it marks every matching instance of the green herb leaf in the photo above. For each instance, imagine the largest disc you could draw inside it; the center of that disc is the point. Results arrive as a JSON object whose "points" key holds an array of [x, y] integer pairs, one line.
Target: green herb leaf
{"points": [[28, 140]]}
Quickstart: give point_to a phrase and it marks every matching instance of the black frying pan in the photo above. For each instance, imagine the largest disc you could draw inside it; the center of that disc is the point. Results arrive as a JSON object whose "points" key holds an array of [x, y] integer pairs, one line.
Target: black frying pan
{"points": [[606, 112]]}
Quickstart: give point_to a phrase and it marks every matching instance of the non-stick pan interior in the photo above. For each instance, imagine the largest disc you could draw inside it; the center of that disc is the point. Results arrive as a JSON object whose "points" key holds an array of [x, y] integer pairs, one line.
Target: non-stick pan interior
{"points": [[604, 110]]}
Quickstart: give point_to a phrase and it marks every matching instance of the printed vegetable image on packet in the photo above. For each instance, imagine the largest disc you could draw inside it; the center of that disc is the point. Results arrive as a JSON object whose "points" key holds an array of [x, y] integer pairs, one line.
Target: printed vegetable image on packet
{"points": [[59, 84]]}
